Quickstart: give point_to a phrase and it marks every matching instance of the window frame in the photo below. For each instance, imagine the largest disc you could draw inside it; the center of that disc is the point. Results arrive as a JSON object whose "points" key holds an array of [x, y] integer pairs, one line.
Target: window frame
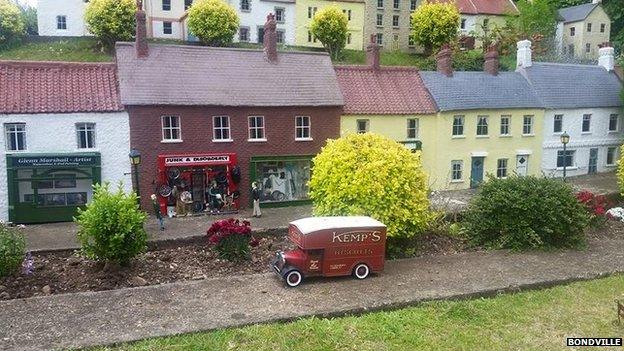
{"points": [[614, 117], [187, 4], [166, 5], [589, 27], [507, 125], [457, 175], [358, 124], [569, 155], [221, 128], [527, 129], [586, 118], [283, 16], [415, 128], [587, 48], [480, 126], [380, 2], [8, 137], [395, 24], [413, 5], [280, 36], [502, 168], [303, 128], [85, 127], [247, 29], [247, 7], [572, 31], [61, 19], [379, 39], [460, 127], [603, 27], [251, 129], [396, 4], [170, 27], [379, 20], [612, 151], [170, 128], [560, 121]]}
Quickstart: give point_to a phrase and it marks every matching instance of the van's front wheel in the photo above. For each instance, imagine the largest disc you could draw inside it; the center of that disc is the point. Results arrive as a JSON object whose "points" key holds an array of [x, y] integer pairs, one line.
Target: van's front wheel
{"points": [[293, 278], [361, 271]]}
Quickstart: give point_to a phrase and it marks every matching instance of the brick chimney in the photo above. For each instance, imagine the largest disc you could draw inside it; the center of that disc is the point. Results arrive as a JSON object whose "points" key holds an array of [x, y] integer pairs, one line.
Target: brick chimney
{"points": [[141, 31], [372, 53], [524, 54], [444, 61], [606, 58], [270, 39], [491, 61]]}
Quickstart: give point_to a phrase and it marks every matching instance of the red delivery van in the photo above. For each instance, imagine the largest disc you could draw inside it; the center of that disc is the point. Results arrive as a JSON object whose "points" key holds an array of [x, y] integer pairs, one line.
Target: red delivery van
{"points": [[332, 246]]}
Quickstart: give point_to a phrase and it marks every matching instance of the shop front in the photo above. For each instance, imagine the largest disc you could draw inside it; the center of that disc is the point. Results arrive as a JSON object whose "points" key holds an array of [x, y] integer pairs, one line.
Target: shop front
{"points": [[50, 187], [282, 179], [195, 183]]}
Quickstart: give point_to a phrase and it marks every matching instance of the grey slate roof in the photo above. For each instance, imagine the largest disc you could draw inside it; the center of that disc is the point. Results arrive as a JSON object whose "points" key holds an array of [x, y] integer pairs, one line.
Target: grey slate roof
{"points": [[480, 90], [576, 13], [574, 86], [193, 75]]}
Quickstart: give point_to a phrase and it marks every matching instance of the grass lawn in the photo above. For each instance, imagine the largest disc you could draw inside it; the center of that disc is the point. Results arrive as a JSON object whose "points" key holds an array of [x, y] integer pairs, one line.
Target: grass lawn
{"points": [[535, 320]]}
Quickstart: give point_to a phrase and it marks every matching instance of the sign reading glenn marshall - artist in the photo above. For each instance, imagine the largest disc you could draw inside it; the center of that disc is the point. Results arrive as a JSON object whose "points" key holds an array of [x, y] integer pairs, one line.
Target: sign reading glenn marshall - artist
{"points": [[53, 161]]}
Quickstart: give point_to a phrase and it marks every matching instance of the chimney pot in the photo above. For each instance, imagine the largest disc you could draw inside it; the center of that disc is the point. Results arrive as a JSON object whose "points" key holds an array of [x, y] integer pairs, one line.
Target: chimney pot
{"points": [[142, 49], [444, 61], [372, 53], [270, 38], [524, 54], [606, 58], [491, 61]]}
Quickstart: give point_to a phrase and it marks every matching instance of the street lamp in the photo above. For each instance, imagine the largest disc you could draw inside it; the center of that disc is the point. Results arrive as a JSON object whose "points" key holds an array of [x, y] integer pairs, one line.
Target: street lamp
{"points": [[565, 139], [135, 161]]}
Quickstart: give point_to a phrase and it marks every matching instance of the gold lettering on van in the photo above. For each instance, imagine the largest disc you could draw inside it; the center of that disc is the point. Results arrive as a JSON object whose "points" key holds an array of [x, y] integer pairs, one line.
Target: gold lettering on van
{"points": [[355, 236]]}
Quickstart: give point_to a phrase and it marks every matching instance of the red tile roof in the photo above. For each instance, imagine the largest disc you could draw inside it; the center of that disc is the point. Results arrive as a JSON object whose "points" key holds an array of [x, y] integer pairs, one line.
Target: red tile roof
{"points": [[388, 90], [49, 87], [485, 7]]}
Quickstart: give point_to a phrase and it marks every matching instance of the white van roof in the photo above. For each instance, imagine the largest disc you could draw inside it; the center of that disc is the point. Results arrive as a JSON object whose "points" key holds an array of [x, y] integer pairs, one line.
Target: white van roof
{"points": [[314, 224]]}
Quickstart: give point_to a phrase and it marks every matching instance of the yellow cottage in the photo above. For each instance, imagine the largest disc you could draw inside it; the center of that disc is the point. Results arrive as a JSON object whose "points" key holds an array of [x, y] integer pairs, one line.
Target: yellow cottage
{"points": [[353, 9]]}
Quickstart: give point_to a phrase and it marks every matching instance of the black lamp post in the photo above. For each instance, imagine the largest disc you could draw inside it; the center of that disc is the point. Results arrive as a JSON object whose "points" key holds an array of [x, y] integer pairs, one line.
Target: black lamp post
{"points": [[565, 139], [135, 161]]}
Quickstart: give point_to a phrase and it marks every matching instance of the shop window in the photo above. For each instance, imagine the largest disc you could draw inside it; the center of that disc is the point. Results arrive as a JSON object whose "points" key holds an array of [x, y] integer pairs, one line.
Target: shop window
{"points": [[256, 128], [302, 128], [504, 125], [61, 22], [501, 168], [171, 130], [15, 136], [85, 132], [282, 180], [412, 128], [558, 124], [362, 125], [221, 128], [458, 126], [567, 158], [527, 125], [586, 123], [457, 169], [482, 126], [613, 122]]}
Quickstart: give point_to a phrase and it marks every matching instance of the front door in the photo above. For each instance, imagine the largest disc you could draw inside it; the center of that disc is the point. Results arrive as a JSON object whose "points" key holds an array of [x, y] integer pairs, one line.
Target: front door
{"points": [[260, 35], [522, 165], [593, 161], [476, 171]]}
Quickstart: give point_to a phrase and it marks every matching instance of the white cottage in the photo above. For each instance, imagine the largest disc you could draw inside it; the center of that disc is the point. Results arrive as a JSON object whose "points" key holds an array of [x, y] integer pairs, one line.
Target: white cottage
{"points": [[61, 18], [64, 129], [582, 101]]}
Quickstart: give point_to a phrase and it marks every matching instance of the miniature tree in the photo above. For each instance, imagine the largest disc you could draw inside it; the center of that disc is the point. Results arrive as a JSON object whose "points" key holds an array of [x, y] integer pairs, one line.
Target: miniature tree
{"points": [[12, 25], [214, 22], [111, 20], [369, 174], [12, 246], [435, 24], [329, 26], [111, 227]]}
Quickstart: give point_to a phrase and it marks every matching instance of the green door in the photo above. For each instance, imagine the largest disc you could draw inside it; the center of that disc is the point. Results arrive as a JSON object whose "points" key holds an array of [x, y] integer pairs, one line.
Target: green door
{"points": [[476, 171]]}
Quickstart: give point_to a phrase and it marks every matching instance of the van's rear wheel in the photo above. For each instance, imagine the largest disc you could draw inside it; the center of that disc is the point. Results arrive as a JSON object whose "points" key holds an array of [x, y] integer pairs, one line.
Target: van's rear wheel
{"points": [[361, 271], [293, 278]]}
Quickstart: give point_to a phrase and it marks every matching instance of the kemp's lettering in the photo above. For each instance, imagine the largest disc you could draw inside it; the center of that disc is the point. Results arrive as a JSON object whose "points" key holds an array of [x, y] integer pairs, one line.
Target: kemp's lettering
{"points": [[355, 237]]}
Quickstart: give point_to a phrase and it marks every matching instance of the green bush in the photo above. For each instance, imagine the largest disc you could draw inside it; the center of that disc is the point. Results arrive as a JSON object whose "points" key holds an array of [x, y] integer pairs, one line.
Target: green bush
{"points": [[214, 22], [12, 26], [330, 27], [12, 246], [369, 174], [111, 20], [620, 172], [434, 24], [111, 227], [525, 213]]}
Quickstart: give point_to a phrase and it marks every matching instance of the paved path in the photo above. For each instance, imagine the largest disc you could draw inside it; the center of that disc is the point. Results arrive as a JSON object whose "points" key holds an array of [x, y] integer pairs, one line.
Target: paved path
{"points": [[86, 319]]}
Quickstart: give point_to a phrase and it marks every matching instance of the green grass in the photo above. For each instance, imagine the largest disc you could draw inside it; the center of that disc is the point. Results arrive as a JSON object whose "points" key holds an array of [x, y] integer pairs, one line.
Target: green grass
{"points": [[535, 320], [69, 49]]}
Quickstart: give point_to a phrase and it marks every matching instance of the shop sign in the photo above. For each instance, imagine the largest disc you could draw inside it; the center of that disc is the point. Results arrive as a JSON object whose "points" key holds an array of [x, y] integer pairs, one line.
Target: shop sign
{"points": [[53, 161], [186, 160]]}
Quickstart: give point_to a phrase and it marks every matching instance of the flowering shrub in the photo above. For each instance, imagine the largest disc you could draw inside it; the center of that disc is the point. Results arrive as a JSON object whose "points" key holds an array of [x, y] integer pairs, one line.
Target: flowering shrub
{"points": [[596, 206], [12, 246], [232, 238]]}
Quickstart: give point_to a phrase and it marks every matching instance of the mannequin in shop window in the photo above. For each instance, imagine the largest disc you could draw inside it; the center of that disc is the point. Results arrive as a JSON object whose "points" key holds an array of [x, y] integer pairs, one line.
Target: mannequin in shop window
{"points": [[214, 197]]}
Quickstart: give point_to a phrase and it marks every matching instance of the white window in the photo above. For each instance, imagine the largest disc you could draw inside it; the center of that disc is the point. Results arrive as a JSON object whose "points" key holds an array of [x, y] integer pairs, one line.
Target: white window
{"points": [[572, 30], [587, 47], [380, 4], [462, 24], [412, 5], [302, 128], [171, 130], [611, 156], [167, 28], [586, 123], [245, 5], [602, 27], [527, 125], [397, 4], [482, 125], [458, 125], [501, 168], [85, 134], [279, 14], [311, 11], [187, 4], [61, 22], [347, 13], [15, 136], [221, 128], [567, 158], [243, 34], [589, 27], [457, 169], [505, 124], [410, 40], [349, 38], [256, 128], [558, 124], [166, 5], [412, 128], [362, 125], [379, 20], [613, 122], [379, 39], [280, 36], [395, 20]]}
